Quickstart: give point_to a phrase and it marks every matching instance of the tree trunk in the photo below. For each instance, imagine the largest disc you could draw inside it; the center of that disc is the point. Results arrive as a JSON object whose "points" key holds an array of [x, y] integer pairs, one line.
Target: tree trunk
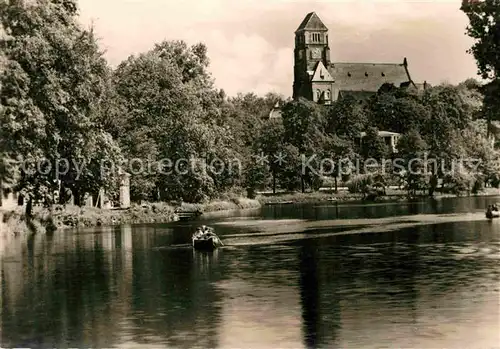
{"points": [[488, 125], [336, 185], [29, 208], [77, 198], [302, 184], [274, 182]]}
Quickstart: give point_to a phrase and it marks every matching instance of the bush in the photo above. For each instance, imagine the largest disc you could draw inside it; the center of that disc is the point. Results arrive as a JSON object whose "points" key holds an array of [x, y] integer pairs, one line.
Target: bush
{"points": [[460, 182], [359, 184], [478, 186], [370, 185]]}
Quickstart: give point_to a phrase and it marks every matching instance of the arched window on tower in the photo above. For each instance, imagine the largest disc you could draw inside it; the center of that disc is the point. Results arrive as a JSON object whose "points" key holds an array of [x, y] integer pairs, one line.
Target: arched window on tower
{"points": [[327, 95], [318, 95]]}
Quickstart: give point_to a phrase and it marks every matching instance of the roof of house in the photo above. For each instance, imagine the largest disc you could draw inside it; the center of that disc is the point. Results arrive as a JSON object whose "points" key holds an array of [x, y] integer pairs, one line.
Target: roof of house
{"points": [[368, 77], [312, 22], [275, 111], [383, 134]]}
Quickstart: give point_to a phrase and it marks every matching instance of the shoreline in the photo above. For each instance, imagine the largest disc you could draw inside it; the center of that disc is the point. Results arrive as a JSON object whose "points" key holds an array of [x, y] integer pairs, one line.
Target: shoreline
{"points": [[346, 197], [59, 217], [14, 223]]}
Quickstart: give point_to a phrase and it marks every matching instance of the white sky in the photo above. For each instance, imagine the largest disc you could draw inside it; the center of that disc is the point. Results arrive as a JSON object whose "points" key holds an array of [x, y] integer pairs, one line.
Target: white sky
{"points": [[250, 42]]}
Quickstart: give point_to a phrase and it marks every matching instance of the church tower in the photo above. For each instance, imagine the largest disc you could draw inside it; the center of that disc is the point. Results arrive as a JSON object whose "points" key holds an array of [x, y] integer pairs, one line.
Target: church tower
{"points": [[311, 48], [317, 79]]}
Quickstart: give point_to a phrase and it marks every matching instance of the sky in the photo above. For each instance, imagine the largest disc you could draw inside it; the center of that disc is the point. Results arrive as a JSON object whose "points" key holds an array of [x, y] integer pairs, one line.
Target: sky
{"points": [[250, 42]]}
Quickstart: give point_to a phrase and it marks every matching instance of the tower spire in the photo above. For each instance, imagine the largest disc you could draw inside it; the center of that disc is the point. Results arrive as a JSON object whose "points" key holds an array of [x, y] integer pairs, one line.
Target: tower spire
{"points": [[312, 22]]}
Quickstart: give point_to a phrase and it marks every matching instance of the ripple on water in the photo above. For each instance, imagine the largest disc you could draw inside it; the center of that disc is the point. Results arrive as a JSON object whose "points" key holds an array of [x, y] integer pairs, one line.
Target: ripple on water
{"points": [[464, 250], [366, 254]]}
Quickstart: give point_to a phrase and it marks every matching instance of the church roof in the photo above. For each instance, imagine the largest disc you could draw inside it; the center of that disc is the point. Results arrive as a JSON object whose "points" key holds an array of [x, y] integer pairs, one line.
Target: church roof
{"points": [[368, 76], [357, 95], [312, 22]]}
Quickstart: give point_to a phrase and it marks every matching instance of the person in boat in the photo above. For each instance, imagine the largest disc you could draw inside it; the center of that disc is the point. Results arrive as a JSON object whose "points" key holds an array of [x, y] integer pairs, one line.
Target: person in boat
{"points": [[203, 232], [199, 232], [495, 207], [490, 210]]}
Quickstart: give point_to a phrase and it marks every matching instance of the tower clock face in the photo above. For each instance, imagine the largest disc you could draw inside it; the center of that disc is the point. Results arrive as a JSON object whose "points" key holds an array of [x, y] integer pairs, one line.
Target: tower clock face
{"points": [[316, 52]]}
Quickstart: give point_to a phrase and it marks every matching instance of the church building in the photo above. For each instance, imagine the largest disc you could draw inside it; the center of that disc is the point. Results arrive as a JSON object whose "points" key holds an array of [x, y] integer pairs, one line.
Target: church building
{"points": [[319, 79]]}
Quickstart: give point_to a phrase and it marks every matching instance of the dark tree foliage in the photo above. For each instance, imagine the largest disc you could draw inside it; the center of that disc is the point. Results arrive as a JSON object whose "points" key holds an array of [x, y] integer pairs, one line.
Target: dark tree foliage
{"points": [[159, 116], [484, 28], [373, 146], [346, 118], [53, 81]]}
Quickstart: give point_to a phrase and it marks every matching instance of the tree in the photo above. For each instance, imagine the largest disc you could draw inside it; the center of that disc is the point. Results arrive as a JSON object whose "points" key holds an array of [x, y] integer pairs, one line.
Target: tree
{"points": [[342, 154], [412, 162], [256, 176], [346, 118], [290, 174], [491, 102], [246, 115], [270, 143], [397, 110], [53, 81], [373, 146], [9, 173], [304, 122], [174, 116], [484, 28], [484, 159]]}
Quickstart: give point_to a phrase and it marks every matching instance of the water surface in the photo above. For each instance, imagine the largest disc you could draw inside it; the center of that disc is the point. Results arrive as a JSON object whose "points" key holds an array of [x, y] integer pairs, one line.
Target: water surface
{"points": [[424, 275]]}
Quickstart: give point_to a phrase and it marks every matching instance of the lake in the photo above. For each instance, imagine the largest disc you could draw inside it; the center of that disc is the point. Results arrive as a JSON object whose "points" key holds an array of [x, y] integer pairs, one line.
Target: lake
{"points": [[421, 275]]}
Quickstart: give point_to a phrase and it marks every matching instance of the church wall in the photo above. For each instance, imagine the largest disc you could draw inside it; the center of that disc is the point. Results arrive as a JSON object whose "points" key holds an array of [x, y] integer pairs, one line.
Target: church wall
{"points": [[323, 87]]}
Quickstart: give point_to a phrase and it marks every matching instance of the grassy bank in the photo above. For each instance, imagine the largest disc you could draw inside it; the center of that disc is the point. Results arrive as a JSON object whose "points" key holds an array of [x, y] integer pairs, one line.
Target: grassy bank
{"points": [[62, 217], [15, 223], [72, 216]]}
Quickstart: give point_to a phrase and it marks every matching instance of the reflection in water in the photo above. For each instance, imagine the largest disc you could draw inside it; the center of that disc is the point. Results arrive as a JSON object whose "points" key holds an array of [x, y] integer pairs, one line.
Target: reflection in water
{"points": [[341, 210], [421, 286], [309, 294]]}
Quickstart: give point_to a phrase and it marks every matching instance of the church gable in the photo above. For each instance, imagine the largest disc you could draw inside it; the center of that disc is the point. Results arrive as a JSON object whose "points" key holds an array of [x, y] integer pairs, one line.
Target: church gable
{"points": [[321, 74], [368, 76]]}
